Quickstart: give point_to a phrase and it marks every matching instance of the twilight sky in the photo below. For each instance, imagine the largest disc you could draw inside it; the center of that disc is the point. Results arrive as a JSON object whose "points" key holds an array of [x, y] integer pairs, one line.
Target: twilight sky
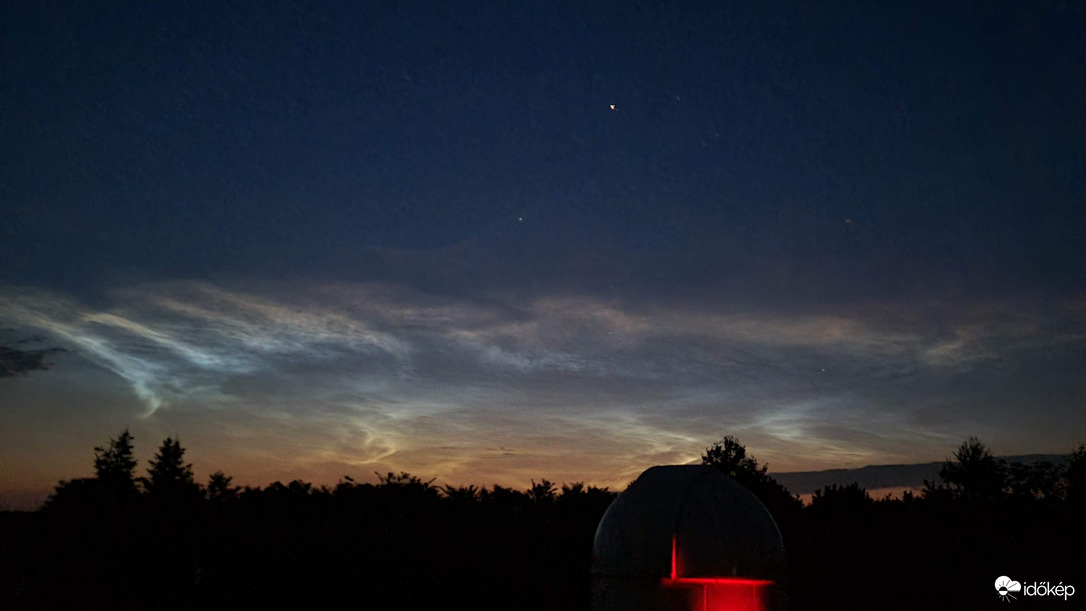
{"points": [[501, 241]]}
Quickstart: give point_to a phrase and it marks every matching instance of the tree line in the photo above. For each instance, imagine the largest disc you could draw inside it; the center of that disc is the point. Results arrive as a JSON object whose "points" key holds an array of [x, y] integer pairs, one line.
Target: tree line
{"points": [[119, 540], [939, 548]]}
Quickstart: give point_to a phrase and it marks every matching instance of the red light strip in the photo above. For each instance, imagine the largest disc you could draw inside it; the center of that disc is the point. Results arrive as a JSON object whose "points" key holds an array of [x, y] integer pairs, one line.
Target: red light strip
{"points": [[736, 581], [739, 581], [674, 571]]}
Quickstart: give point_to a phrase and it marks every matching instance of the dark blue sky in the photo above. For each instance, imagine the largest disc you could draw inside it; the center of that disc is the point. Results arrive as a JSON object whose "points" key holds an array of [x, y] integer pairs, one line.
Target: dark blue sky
{"points": [[902, 173], [279, 138]]}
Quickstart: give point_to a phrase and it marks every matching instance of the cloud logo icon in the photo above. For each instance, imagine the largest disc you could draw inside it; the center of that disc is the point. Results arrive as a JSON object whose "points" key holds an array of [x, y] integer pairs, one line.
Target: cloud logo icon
{"points": [[1005, 585]]}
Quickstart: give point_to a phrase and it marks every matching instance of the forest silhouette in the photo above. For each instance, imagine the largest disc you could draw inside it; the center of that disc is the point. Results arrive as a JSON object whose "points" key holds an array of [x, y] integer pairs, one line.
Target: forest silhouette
{"points": [[163, 541]]}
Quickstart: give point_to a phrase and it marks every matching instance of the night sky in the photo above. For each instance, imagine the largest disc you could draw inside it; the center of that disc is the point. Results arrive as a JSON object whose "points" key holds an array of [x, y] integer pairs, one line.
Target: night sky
{"points": [[494, 242]]}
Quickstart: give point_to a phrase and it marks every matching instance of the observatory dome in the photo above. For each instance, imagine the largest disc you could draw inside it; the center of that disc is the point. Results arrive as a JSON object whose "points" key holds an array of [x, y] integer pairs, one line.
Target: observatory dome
{"points": [[683, 525]]}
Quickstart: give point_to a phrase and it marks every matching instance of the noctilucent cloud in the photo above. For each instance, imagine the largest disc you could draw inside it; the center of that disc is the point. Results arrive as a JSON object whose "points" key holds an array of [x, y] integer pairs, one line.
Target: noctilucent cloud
{"points": [[488, 243]]}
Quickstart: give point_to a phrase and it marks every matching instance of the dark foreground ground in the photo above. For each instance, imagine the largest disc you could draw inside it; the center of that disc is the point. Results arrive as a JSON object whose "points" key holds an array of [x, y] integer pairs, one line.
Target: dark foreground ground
{"points": [[406, 545]]}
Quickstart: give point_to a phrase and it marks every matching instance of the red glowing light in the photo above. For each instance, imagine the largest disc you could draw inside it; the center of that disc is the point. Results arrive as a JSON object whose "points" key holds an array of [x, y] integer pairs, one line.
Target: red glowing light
{"points": [[674, 570], [735, 581], [719, 593]]}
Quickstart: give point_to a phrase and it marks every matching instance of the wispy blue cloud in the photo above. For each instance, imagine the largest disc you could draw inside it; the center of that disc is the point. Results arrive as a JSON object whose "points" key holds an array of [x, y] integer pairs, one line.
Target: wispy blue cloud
{"points": [[499, 388]]}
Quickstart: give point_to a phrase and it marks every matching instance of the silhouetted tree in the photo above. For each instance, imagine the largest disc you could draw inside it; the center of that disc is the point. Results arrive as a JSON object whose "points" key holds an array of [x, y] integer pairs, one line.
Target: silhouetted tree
{"points": [[841, 500], [79, 494], [115, 465], [169, 475], [1039, 480], [219, 489], [974, 473], [543, 493], [405, 487], [403, 478], [461, 494], [300, 546], [113, 485], [1074, 477], [506, 498], [730, 457]]}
